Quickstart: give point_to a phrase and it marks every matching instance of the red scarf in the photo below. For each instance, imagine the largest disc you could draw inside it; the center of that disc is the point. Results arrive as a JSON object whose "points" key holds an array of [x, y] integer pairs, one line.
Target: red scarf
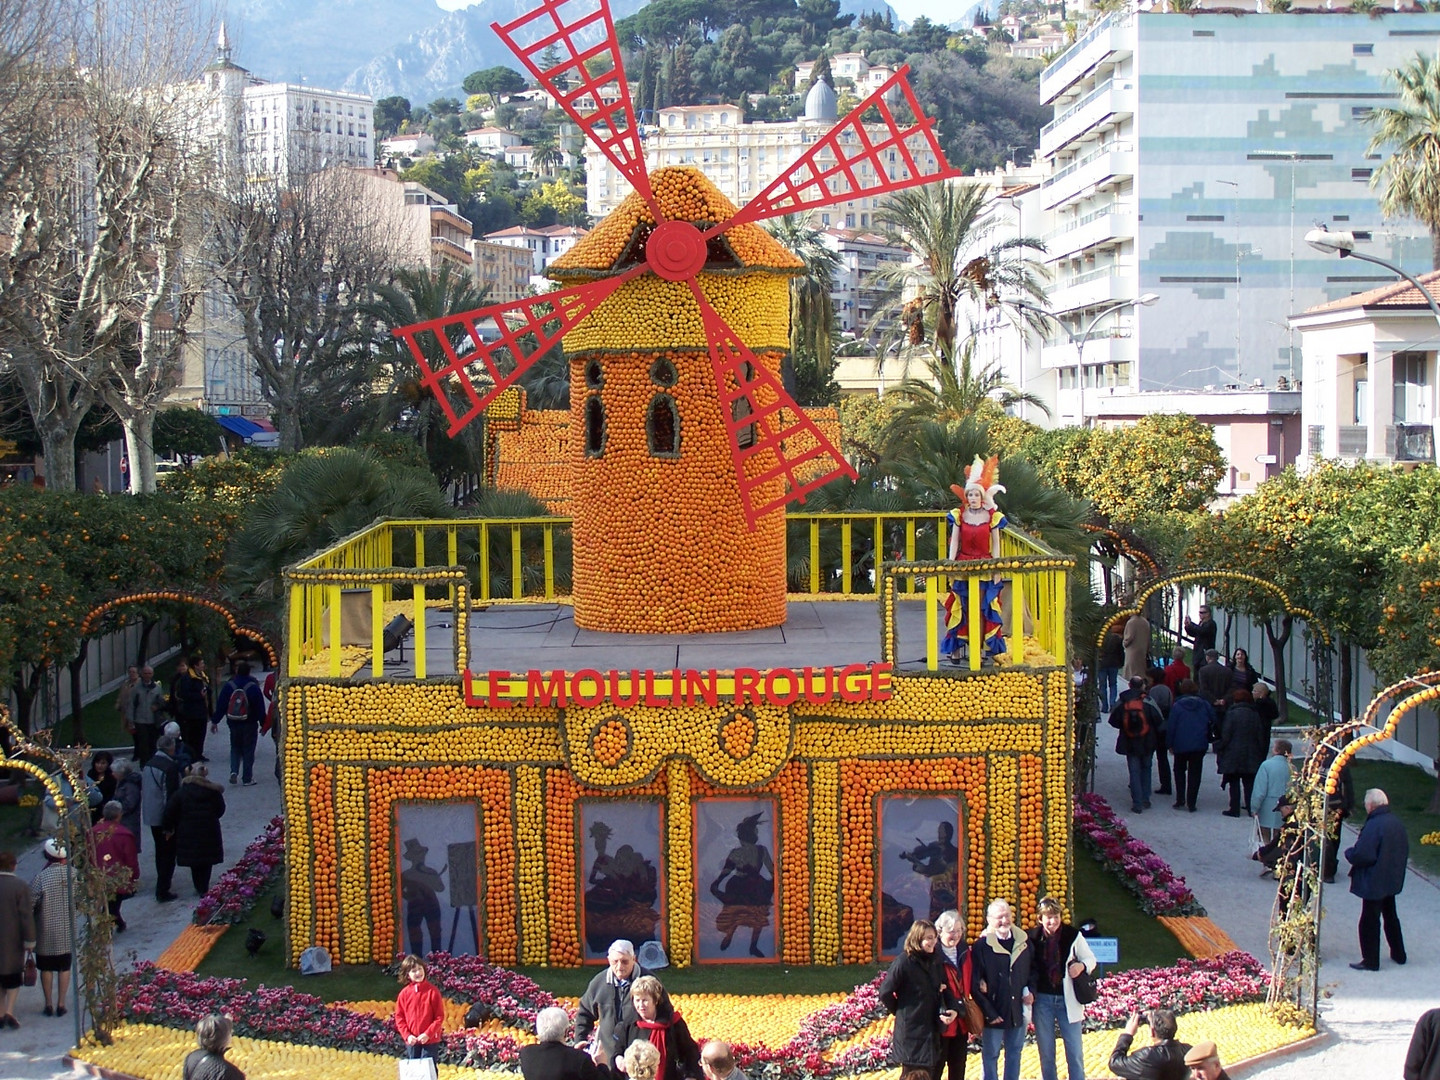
{"points": [[660, 1039]]}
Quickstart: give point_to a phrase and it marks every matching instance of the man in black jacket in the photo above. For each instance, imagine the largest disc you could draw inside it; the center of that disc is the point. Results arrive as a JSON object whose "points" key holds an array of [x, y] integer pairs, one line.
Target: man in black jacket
{"points": [[550, 1058], [1423, 1060], [1163, 1059], [605, 1007]]}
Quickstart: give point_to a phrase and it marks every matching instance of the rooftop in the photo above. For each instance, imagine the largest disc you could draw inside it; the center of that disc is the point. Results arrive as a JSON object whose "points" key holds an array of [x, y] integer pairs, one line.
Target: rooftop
{"points": [[1398, 294]]}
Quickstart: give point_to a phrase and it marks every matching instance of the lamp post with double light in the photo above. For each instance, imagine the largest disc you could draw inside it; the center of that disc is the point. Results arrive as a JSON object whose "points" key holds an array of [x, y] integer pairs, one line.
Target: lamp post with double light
{"points": [[1079, 342]]}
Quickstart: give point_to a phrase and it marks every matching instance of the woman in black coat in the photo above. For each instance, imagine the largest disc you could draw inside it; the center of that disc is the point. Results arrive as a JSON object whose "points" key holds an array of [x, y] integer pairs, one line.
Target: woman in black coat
{"points": [[1240, 750], [914, 990], [193, 815]]}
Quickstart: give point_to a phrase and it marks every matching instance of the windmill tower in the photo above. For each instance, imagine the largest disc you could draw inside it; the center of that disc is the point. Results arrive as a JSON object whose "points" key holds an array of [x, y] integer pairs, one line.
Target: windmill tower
{"points": [[675, 529]]}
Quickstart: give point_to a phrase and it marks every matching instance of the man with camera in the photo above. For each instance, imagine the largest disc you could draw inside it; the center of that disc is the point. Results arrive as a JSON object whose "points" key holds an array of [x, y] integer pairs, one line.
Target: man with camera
{"points": [[1163, 1059]]}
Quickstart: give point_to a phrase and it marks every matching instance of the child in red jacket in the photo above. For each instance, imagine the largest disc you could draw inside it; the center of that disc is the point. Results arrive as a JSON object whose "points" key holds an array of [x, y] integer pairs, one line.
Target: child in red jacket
{"points": [[419, 1011]]}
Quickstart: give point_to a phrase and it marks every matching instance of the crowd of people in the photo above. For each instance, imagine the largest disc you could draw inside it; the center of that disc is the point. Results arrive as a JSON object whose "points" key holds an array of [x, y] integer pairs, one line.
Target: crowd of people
{"points": [[163, 788]]}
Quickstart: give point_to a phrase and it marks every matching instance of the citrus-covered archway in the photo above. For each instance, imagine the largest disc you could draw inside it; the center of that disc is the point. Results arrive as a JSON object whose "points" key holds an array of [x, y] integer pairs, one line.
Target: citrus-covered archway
{"points": [[175, 596]]}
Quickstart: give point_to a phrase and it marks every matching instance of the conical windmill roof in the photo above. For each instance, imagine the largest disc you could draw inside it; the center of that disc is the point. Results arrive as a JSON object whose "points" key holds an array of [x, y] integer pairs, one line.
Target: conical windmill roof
{"points": [[686, 194]]}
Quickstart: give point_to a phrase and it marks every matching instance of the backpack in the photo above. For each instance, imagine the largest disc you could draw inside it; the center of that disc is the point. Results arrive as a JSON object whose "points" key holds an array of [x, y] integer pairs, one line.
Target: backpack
{"points": [[1134, 724], [238, 707]]}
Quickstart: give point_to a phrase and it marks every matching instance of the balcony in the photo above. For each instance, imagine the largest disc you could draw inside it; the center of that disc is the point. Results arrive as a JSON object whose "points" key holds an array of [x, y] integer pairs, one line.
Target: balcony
{"points": [[1114, 222], [1119, 348], [1104, 165], [1110, 37], [1109, 103], [1092, 288]]}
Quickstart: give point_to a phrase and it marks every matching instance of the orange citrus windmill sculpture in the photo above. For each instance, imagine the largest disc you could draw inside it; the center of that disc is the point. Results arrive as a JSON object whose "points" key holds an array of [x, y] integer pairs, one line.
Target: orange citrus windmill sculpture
{"points": [[680, 464]]}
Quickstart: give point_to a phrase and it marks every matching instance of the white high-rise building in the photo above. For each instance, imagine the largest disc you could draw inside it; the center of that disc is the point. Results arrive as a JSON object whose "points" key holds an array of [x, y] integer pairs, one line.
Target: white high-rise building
{"points": [[281, 130]]}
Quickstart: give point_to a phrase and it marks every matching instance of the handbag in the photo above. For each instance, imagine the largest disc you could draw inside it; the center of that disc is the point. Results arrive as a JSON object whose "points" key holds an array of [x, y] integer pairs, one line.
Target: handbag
{"points": [[1086, 992], [974, 1018], [31, 975], [1257, 843], [417, 1069]]}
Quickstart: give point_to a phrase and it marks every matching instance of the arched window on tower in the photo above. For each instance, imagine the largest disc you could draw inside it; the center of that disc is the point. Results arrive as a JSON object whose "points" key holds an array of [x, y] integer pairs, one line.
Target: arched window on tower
{"points": [[662, 427], [594, 426], [744, 437]]}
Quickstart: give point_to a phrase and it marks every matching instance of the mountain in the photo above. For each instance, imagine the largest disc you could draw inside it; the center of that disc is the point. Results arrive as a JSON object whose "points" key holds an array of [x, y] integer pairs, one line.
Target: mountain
{"points": [[320, 42], [433, 62]]}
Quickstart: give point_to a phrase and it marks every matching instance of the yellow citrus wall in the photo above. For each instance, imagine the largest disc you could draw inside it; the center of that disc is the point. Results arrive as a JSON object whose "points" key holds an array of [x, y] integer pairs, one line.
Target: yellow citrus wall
{"points": [[998, 741]]}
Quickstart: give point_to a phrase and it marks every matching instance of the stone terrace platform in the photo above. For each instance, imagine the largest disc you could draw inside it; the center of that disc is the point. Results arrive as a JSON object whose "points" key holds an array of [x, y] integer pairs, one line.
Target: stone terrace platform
{"points": [[520, 637]]}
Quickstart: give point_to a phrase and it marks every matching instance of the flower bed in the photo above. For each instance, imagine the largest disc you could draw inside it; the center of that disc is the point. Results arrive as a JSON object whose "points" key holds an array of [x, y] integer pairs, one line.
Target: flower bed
{"points": [[1159, 889], [1190, 986], [233, 897], [840, 1038]]}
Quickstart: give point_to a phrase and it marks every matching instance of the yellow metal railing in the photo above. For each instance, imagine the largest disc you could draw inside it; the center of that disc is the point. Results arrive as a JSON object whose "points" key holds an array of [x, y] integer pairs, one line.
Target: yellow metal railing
{"points": [[529, 559]]}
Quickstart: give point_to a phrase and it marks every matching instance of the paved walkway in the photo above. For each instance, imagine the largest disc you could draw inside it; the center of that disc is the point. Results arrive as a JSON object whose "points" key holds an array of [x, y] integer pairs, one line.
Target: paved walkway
{"points": [[1370, 1015], [34, 1051]]}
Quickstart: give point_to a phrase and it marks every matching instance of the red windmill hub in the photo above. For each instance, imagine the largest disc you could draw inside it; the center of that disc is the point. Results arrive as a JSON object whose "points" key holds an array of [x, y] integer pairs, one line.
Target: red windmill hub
{"points": [[675, 251], [849, 162]]}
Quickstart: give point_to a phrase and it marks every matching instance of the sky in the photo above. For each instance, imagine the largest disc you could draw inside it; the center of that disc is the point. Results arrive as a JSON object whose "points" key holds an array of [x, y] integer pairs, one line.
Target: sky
{"points": [[940, 11]]}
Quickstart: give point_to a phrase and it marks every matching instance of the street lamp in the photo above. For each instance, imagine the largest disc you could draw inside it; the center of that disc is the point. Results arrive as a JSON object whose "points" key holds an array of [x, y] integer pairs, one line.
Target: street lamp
{"points": [[1109, 309], [1343, 244]]}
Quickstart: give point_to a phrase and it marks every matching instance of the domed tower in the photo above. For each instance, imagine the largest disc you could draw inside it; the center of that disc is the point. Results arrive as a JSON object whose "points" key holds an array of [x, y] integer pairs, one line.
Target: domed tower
{"points": [[662, 543]]}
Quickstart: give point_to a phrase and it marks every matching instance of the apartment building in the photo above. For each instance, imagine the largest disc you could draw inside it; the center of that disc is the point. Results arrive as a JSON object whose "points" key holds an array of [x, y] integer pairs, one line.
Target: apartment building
{"points": [[858, 291], [281, 130], [1187, 157], [265, 133], [430, 231], [739, 158], [504, 269], [545, 245]]}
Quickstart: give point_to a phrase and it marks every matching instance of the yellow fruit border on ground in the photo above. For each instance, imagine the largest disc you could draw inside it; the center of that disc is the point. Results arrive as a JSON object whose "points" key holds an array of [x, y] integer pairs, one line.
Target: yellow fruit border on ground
{"points": [[148, 1052], [357, 751]]}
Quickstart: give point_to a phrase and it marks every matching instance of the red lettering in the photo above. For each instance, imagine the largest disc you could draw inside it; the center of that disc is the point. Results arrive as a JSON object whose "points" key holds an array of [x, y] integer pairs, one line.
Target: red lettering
{"points": [[827, 685], [849, 692], [542, 693], [880, 681], [494, 700], [577, 685], [746, 679], [471, 699], [708, 685], [630, 699], [827, 693], [773, 696], [651, 701]]}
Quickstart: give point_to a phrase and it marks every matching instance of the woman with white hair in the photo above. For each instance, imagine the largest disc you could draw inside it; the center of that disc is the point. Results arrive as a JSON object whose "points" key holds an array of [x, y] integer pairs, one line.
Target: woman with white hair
{"points": [[52, 889]]}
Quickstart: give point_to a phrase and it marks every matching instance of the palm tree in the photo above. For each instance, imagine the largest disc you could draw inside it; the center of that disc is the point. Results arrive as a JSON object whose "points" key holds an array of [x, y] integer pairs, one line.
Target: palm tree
{"points": [[409, 406], [812, 311], [323, 496], [955, 392], [961, 264], [546, 154], [935, 456], [1409, 178]]}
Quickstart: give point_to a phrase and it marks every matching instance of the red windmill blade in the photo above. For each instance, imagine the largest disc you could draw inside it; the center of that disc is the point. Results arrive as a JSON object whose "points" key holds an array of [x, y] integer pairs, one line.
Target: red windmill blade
{"points": [[563, 25], [772, 415], [546, 317], [848, 163]]}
